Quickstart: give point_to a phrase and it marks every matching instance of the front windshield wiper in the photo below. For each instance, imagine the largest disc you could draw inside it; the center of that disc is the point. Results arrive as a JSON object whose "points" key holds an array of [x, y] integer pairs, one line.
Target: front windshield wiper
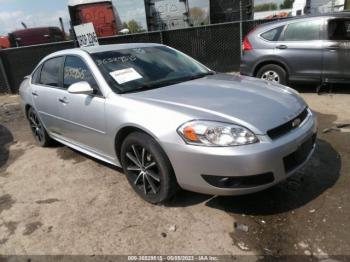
{"points": [[201, 75]]}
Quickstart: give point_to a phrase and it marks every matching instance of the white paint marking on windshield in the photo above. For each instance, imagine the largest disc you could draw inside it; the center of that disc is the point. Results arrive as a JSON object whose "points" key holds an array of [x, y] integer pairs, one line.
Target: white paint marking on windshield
{"points": [[125, 75]]}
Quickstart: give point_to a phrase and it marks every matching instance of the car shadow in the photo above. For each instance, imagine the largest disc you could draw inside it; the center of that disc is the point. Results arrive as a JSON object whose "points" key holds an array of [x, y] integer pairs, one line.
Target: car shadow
{"points": [[6, 138], [325, 89]]}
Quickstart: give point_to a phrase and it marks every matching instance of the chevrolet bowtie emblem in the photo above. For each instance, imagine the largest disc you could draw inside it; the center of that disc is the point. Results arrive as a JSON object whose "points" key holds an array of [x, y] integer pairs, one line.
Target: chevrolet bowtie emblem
{"points": [[296, 122]]}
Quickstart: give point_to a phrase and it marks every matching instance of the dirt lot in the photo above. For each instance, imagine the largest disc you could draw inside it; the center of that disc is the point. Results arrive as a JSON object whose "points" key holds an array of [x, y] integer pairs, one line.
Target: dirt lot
{"points": [[58, 201]]}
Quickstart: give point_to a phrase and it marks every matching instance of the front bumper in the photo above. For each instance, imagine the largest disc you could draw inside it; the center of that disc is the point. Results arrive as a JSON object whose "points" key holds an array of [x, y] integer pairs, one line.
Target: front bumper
{"points": [[193, 163]]}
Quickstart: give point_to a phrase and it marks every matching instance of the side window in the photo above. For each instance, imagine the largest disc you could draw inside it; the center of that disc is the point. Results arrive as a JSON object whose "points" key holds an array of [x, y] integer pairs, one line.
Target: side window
{"points": [[339, 30], [51, 71], [75, 70], [273, 34], [303, 31], [36, 75]]}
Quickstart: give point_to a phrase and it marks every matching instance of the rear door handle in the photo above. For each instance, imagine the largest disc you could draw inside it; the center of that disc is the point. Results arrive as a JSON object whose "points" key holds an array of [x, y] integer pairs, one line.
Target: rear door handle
{"points": [[281, 47], [63, 100], [333, 47]]}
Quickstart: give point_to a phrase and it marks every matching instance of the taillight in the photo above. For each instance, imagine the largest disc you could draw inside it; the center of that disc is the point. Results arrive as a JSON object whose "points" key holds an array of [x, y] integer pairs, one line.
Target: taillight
{"points": [[247, 46]]}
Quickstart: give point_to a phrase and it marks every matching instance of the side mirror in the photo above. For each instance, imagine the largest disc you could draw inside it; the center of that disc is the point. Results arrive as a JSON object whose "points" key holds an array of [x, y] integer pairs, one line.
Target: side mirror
{"points": [[82, 87]]}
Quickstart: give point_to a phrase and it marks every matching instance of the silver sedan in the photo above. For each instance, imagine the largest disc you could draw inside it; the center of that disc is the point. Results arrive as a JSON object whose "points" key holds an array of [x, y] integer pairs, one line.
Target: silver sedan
{"points": [[169, 121]]}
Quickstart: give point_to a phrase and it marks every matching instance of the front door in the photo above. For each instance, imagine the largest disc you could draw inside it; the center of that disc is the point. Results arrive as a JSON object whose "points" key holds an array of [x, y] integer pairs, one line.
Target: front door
{"points": [[336, 58], [86, 123], [300, 46]]}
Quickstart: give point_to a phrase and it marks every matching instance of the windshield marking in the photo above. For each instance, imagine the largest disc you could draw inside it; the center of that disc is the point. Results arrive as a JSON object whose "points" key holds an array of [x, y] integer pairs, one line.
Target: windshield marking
{"points": [[119, 59]]}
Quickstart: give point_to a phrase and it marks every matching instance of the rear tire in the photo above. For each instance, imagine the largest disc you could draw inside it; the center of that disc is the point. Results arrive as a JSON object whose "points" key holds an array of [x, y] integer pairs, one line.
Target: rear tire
{"points": [[147, 168], [273, 73], [38, 130]]}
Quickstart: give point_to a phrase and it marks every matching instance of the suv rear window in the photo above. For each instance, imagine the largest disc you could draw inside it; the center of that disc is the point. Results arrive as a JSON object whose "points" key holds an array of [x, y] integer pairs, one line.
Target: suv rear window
{"points": [[273, 34], [339, 29], [303, 31]]}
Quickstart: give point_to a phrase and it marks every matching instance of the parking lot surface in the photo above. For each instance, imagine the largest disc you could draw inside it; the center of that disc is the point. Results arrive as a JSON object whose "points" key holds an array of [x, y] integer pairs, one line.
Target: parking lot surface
{"points": [[58, 201]]}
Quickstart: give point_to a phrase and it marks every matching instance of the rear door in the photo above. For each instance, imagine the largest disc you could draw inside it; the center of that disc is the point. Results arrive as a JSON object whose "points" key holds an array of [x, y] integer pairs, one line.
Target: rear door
{"points": [[337, 50], [300, 47], [46, 89]]}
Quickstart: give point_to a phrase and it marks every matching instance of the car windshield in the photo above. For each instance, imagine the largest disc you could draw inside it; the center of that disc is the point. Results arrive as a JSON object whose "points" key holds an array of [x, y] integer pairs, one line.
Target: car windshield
{"points": [[139, 69]]}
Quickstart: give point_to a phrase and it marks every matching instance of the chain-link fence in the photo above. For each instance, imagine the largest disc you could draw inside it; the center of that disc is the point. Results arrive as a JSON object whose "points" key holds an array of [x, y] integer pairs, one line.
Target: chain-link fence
{"points": [[217, 46]]}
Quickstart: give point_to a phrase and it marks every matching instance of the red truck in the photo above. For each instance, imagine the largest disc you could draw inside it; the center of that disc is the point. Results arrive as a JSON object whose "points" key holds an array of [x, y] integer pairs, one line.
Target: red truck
{"points": [[36, 36], [100, 12]]}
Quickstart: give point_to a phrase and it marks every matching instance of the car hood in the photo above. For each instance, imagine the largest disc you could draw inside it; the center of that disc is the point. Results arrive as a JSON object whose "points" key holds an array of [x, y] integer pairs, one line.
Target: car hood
{"points": [[254, 103]]}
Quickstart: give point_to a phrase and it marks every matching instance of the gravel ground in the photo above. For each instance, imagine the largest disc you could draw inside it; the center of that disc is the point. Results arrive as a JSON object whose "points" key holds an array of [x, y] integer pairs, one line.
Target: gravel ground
{"points": [[58, 201]]}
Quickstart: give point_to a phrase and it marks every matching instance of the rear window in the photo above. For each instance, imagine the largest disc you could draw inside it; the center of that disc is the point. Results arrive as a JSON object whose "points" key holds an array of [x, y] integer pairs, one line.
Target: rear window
{"points": [[339, 30], [51, 71], [303, 31], [273, 34]]}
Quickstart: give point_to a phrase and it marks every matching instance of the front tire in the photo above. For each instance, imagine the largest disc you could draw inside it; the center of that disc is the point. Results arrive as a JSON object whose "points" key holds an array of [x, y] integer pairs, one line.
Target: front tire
{"points": [[38, 129], [273, 73], [147, 168]]}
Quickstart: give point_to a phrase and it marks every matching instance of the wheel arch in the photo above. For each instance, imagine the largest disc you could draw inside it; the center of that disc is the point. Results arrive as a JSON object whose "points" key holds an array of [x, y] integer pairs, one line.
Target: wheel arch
{"points": [[26, 109], [124, 132], [271, 62]]}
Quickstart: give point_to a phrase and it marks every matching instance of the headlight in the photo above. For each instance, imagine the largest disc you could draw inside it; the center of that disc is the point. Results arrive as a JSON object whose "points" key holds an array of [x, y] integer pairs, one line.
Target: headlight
{"points": [[210, 133]]}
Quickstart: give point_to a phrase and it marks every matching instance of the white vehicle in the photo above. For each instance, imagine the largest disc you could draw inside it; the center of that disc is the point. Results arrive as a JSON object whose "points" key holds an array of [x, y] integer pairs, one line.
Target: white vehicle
{"points": [[303, 7]]}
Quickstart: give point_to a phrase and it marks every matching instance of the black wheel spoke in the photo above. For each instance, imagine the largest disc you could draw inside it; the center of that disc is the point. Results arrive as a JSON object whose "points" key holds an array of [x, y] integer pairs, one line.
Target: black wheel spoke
{"points": [[150, 165], [138, 178], [133, 159], [137, 157], [133, 168], [144, 184], [143, 156], [150, 182], [153, 176]]}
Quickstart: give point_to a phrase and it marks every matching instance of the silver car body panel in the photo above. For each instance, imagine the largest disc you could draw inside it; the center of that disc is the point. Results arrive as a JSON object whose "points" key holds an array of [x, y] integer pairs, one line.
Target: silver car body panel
{"points": [[90, 124]]}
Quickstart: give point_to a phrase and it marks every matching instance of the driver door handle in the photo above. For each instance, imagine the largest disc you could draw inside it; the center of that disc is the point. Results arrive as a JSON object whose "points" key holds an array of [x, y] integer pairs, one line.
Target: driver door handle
{"points": [[35, 93], [63, 100]]}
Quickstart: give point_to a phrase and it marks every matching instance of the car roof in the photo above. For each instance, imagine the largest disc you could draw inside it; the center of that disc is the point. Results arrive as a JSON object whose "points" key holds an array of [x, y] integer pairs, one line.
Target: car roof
{"points": [[99, 49], [284, 21], [114, 47]]}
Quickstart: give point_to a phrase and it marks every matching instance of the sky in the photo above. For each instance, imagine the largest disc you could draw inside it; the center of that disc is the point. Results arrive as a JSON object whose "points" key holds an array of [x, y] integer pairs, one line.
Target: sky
{"points": [[36, 13]]}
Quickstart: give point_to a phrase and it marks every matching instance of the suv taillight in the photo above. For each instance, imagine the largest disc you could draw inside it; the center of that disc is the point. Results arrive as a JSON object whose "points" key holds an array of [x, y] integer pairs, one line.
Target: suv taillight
{"points": [[247, 46]]}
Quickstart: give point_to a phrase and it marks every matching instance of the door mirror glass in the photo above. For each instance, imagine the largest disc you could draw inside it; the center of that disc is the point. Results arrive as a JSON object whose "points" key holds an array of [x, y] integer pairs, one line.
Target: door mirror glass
{"points": [[82, 87]]}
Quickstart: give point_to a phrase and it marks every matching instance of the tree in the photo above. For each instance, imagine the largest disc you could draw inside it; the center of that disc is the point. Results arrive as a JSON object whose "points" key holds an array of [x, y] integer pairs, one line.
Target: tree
{"points": [[347, 5], [133, 26], [198, 16], [265, 7], [287, 4]]}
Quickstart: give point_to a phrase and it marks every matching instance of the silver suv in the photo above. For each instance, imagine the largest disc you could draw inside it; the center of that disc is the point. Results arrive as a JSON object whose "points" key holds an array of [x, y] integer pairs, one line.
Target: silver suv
{"points": [[307, 49]]}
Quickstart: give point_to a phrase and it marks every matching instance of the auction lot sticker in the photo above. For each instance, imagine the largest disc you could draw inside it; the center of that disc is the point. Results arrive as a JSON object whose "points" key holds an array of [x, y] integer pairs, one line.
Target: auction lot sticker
{"points": [[125, 75], [86, 35]]}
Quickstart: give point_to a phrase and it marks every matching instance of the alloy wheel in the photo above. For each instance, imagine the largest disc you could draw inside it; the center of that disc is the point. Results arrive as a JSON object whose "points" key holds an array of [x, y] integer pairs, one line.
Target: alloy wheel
{"points": [[271, 76], [36, 126], [143, 170]]}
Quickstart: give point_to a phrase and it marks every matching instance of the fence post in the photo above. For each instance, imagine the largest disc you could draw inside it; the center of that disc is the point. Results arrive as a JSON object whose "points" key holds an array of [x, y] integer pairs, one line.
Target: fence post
{"points": [[240, 28], [161, 37], [4, 76]]}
